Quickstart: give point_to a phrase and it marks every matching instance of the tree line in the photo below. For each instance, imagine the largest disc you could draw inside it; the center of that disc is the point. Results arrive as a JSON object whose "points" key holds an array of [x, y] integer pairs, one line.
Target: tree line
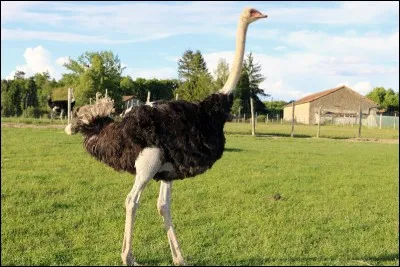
{"points": [[97, 71]]}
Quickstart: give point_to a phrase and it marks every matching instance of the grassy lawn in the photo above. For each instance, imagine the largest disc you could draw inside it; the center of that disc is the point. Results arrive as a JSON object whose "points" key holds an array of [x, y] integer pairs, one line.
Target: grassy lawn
{"points": [[277, 129], [43, 120], [301, 130], [339, 203]]}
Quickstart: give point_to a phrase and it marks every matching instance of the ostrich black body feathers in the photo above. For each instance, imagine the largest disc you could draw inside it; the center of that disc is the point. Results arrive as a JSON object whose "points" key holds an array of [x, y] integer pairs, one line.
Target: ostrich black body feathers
{"points": [[190, 135]]}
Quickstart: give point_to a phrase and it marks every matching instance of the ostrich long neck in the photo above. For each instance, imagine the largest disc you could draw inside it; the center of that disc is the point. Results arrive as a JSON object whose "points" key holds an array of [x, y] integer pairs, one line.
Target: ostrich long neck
{"points": [[238, 60]]}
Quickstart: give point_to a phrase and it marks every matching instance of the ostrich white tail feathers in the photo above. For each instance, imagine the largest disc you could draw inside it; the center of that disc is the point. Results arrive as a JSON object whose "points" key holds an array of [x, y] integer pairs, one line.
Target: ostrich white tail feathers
{"points": [[86, 114], [102, 108]]}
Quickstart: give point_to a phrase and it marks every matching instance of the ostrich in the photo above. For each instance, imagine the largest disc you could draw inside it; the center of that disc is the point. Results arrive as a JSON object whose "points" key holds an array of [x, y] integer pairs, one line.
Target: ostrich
{"points": [[163, 140], [59, 105]]}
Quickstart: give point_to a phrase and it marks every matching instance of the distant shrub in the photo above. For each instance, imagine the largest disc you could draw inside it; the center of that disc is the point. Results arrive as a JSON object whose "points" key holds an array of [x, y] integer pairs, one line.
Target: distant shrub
{"points": [[261, 118], [32, 112]]}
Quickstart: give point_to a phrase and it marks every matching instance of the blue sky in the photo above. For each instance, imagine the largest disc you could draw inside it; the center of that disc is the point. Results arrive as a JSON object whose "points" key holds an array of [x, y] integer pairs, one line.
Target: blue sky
{"points": [[303, 47]]}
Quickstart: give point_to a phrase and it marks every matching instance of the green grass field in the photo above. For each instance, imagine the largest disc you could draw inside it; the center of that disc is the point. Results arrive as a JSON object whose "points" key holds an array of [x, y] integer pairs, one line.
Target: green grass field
{"points": [[339, 203]]}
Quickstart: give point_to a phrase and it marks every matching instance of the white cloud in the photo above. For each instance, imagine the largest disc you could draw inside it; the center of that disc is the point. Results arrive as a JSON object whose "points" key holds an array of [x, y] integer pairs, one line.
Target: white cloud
{"points": [[91, 23], [38, 59], [378, 45], [347, 12], [280, 48], [62, 60], [18, 34], [360, 87], [150, 73], [295, 75]]}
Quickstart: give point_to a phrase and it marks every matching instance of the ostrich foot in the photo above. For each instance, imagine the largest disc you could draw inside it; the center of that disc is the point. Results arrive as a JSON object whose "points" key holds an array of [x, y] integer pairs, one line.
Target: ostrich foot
{"points": [[178, 261], [128, 260]]}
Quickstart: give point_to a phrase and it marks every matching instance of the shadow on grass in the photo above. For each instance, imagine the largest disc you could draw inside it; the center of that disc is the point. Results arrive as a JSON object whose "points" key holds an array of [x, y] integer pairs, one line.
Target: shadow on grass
{"points": [[385, 257], [282, 135], [232, 149], [288, 135], [258, 261]]}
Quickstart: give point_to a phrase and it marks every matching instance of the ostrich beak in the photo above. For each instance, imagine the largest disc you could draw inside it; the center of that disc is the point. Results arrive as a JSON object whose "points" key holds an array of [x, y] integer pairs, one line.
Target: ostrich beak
{"points": [[261, 16]]}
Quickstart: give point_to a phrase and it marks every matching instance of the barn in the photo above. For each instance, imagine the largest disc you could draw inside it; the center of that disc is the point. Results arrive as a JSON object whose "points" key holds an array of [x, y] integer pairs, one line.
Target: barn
{"points": [[338, 102]]}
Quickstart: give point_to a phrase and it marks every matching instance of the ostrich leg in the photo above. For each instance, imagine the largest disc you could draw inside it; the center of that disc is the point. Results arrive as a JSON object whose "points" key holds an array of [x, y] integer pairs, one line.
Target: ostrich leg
{"points": [[147, 164], [164, 208]]}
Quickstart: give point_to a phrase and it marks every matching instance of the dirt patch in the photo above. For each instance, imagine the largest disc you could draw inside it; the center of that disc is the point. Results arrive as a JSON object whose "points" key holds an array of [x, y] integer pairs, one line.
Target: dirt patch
{"points": [[29, 125]]}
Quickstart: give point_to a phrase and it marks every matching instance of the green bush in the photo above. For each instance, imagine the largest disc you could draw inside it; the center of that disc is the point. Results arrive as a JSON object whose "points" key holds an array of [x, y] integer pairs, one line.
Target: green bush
{"points": [[261, 118], [32, 112]]}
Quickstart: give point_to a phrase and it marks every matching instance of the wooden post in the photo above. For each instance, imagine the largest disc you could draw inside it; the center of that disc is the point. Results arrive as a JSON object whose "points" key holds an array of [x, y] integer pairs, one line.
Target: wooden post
{"points": [[177, 96], [253, 123], [291, 134], [106, 92], [319, 121], [380, 121], [394, 123], [266, 122], [69, 105], [359, 123], [244, 117]]}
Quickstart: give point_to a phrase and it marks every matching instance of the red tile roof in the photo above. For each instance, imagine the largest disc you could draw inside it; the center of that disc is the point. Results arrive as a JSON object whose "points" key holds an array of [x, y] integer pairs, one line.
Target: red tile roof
{"points": [[318, 95]]}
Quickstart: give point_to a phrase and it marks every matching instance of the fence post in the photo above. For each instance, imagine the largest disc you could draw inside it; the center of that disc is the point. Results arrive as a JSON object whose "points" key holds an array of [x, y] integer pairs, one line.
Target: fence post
{"points": [[319, 121], [380, 121], [69, 105], [291, 134], [359, 123], [177, 96], [394, 123], [253, 123], [266, 121]]}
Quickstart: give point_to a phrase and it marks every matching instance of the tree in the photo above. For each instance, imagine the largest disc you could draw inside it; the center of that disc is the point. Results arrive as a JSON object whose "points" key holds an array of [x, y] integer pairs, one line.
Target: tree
{"points": [[126, 85], [190, 65], [386, 99], [221, 73], [11, 100], [93, 72], [391, 100], [255, 77], [377, 95], [196, 80], [19, 74], [243, 92], [236, 106], [30, 98], [44, 88], [185, 69]]}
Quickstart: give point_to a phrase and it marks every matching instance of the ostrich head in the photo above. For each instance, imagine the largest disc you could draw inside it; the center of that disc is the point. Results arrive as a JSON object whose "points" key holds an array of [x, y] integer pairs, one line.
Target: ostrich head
{"points": [[86, 118], [250, 15]]}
